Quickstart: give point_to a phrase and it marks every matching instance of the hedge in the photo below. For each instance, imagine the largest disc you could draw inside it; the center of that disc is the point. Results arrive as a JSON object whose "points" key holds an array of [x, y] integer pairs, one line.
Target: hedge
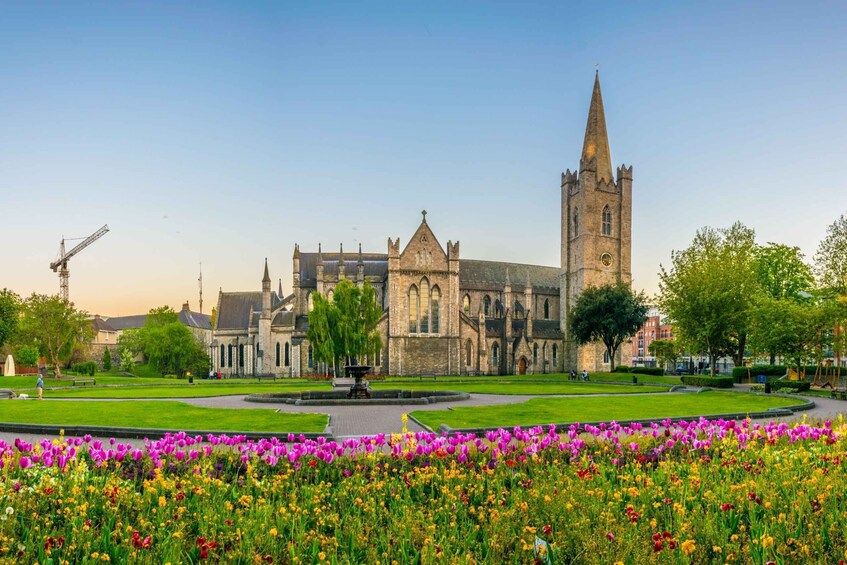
{"points": [[797, 386], [656, 371], [740, 373], [703, 380]]}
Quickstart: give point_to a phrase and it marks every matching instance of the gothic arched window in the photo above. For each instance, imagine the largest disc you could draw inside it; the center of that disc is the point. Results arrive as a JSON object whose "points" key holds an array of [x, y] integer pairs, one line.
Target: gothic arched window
{"points": [[535, 354], [414, 307], [276, 356], [424, 319], [310, 359], [576, 222], [436, 296], [241, 355], [223, 356], [495, 350], [607, 221], [229, 350], [486, 306], [546, 309], [330, 295], [555, 355], [466, 305], [310, 302], [468, 352], [287, 355]]}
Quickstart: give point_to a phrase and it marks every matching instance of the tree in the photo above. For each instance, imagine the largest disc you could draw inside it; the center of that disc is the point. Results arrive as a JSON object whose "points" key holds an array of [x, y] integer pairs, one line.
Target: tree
{"points": [[666, 351], [797, 331], [56, 326], [214, 317], [344, 330], [781, 272], [709, 291], [168, 345], [10, 307], [830, 265], [27, 355], [107, 359], [609, 314]]}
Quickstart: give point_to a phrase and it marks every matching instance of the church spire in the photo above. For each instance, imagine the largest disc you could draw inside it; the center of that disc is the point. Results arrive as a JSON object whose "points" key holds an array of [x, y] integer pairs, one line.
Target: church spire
{"points": [[267, 277], [596, 145]]}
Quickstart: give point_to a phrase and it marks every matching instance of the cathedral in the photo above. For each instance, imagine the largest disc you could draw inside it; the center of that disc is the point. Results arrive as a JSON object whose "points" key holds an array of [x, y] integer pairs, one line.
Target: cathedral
{"points": [[443, 314]]}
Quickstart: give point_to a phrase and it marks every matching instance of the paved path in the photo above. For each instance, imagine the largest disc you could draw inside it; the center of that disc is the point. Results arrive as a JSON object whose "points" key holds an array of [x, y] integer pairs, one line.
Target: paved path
{"points": [[368, 420]]}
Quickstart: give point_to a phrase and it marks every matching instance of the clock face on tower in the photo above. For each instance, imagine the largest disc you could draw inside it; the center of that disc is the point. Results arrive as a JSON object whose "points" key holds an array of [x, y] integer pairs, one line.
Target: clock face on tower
{"points": [[606, 259]]}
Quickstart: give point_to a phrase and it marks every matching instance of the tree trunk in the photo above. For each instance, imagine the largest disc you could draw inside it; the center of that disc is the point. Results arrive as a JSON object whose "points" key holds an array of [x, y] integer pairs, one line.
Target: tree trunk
{"points": [[611, 353], [738, 357], [773, 358]]}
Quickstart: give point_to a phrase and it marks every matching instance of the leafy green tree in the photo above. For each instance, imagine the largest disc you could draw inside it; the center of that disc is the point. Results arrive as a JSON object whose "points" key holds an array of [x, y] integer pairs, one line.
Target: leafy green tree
{"points": [[10, 307], [709, 291], [56, 326], [797, 331], [830, 264], [127, 359], [781, 272], [666, 351], [168, 345], [27, 355], [609, 314], [344, 330], [107, 359]]}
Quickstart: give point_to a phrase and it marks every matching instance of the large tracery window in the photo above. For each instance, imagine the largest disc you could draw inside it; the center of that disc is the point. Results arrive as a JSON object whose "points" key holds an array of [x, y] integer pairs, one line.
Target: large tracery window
{"points": [[424, 309], [607, 221]]}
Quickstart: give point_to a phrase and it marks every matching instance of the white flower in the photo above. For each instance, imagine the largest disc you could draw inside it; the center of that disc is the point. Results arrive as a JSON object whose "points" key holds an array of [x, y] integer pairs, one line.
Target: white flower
{"points": [[10, 510]]}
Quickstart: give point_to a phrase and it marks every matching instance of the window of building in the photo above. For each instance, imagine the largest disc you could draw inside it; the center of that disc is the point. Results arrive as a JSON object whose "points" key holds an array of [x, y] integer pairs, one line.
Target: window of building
{"points": [[241, 355], [276, 356], [310, 361], [424, 319], [576, 222], [498, 309], [468, 352], [434, 321], [535, 354], [607, 221], [330, 295], [466, 304], [309, 302], [414, 308], [223, 356], [229, 349], [495, 353], [376, 358], [486, 306], [287, 356], [605, 357], [546, 309], [555, 355]]}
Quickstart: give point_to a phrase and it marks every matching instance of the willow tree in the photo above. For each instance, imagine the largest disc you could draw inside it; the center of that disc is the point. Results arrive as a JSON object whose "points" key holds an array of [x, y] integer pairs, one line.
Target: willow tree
{"points": [[343, 331]]}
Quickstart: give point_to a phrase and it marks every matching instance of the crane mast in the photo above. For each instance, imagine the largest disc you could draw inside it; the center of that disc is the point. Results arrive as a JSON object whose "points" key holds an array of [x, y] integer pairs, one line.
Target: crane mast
{"points": [[61, 264]]}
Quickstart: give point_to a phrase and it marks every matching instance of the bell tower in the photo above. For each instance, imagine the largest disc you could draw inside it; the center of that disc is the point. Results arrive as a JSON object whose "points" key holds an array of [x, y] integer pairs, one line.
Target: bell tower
{"points": [[596, 231]]}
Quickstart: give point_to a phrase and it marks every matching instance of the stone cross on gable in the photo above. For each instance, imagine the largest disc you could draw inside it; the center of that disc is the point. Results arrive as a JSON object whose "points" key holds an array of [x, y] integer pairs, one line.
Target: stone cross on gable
{"points": [[423, 212]]}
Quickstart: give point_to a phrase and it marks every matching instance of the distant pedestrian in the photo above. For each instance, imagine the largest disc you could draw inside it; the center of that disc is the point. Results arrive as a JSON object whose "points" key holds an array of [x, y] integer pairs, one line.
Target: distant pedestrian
{"points": [[39, 385]]}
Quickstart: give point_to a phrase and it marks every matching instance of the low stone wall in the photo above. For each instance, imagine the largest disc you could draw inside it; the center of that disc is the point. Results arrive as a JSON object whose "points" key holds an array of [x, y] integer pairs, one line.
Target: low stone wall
{"points": [[378, 397]]}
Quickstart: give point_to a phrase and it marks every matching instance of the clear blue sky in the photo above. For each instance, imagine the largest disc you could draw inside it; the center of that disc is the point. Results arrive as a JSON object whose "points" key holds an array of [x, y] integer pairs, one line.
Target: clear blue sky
{"points": [[225, 133]]}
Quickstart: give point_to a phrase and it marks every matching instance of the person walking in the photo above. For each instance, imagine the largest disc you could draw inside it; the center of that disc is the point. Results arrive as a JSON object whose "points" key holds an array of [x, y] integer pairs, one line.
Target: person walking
{"points": [[39, 384]]}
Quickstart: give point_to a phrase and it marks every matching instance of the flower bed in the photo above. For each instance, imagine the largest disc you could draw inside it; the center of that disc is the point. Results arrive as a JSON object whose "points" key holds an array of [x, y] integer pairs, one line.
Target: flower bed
{"points": [[701, 491]]}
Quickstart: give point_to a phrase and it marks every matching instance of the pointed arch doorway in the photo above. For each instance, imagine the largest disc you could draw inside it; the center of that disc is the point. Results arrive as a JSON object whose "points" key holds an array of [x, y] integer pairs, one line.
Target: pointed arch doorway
{"points": [[522, 366]]}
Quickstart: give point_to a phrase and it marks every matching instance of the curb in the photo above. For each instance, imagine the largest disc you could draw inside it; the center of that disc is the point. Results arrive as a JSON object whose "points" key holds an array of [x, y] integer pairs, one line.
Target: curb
{"points": [[769, 413], [140, 433]]}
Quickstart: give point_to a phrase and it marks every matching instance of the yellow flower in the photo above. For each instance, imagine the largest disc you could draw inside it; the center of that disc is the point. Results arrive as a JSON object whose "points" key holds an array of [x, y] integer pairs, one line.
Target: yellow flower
{"points": [[273, 532], [688, 546], [162, 501], [717, 549]]}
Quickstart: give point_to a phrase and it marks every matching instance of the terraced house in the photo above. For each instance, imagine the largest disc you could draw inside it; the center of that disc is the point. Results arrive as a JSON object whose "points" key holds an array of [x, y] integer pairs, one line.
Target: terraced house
{"points": [[443, 314]]}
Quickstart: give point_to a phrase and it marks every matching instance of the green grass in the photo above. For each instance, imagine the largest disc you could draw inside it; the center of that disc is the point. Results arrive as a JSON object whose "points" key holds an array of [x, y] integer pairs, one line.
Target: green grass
{"points": [[199, 389], [540, 411], [160, 414], [518, 387], [554, 377]]}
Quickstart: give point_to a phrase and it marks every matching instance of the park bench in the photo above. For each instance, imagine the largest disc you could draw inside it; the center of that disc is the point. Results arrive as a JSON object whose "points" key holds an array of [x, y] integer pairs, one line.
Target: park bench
{"points": [[838, 392], [266, 376], [6, 393], [75, 382], [432, 376]]}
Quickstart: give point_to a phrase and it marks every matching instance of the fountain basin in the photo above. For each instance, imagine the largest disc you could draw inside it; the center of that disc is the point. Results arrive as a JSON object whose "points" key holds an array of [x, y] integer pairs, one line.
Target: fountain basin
{"points": [[339, 397]]}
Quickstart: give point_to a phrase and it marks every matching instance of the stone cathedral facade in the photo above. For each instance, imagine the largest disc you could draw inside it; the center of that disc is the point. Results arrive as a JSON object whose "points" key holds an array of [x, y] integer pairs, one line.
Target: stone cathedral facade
{"points": [[443, 314]]}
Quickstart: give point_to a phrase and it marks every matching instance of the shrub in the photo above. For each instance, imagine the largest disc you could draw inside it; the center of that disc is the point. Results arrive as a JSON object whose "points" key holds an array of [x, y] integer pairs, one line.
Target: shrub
{"points": [[795, 386], [127, 361], [87, 368], [621, 369], [703, 380], [107, 359], [657, 371], [26, 355], [740, 373]]}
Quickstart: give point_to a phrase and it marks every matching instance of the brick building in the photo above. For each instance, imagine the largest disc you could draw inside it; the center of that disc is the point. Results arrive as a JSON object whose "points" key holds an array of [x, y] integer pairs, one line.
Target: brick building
{"points": [[445, 314], [656, 327]]}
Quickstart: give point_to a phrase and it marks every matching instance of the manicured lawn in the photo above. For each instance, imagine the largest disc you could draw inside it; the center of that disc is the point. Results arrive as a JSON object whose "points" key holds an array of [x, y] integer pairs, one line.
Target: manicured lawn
{"points": [[183, 390], [518, 387], [28, 382], [162, 414], [554, 377], [539, 411]]}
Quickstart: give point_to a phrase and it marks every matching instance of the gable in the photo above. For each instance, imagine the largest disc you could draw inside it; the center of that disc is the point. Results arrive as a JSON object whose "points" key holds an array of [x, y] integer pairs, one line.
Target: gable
{"points": [[423, 252]]}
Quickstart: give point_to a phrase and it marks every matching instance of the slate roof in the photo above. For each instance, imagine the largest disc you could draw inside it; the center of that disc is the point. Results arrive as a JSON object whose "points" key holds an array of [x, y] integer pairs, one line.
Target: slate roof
{"points": [[376, 265], [195, 319], [283, 318], [473, 271], [236, 309], [121, 323], [547, 329], [101, 325]]}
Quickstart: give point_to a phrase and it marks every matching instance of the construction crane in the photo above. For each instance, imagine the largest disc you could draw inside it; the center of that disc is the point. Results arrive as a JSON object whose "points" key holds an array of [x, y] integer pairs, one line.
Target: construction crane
{"points": [[61, 264]]}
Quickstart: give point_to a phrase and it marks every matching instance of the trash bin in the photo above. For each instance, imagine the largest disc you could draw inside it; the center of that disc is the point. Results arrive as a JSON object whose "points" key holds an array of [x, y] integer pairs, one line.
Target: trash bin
{"points": [[767, 387], [634, 380], [190, 379]]}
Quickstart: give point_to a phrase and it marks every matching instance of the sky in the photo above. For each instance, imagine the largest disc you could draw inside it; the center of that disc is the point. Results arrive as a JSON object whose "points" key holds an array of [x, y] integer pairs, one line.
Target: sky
{"points": [[224, 133]]}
